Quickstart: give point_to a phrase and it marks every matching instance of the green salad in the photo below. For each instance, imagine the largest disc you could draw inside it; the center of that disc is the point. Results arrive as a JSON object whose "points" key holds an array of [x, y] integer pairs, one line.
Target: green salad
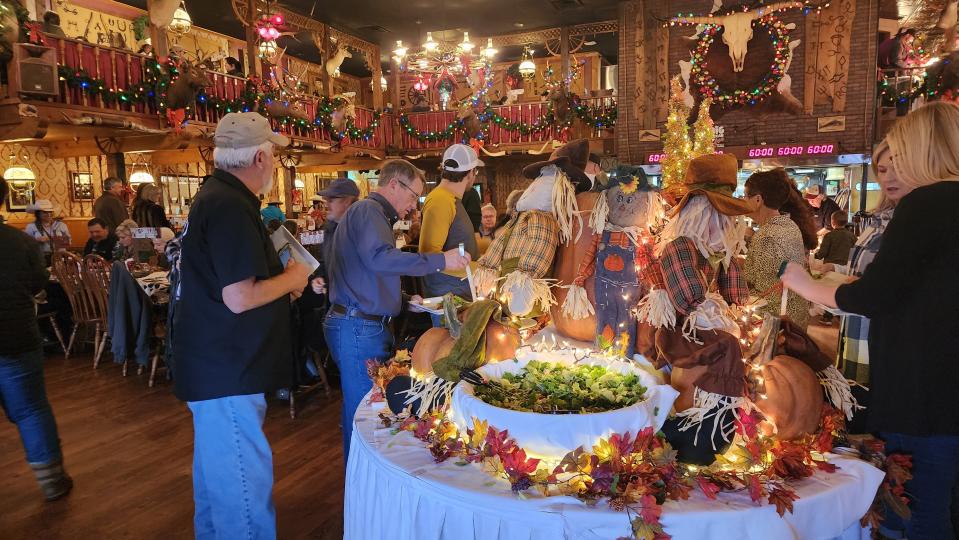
{"points": [[543, 387]]}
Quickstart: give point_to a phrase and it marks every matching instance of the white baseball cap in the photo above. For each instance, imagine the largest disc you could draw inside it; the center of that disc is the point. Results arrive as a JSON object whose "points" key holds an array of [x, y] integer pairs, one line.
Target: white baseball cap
{"points": [[463, 157]]}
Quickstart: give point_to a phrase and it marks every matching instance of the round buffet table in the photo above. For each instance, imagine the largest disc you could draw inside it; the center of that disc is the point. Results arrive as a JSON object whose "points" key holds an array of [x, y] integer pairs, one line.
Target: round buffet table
{"points": [[395, 490]]}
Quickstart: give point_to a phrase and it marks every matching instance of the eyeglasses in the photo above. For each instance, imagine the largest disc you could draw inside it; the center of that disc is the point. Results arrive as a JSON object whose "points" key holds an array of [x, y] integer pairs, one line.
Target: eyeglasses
{"points": [[408, 188]]}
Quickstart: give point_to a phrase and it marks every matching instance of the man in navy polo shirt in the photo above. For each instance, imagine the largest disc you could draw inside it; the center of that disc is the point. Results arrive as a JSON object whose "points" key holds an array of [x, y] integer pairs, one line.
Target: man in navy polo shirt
{"points": [[365, 281], [231, 332]]}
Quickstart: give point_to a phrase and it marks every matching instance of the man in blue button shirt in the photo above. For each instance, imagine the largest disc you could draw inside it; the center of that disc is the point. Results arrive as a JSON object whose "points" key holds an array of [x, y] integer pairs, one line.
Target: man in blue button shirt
{"points": [[365, 281]]}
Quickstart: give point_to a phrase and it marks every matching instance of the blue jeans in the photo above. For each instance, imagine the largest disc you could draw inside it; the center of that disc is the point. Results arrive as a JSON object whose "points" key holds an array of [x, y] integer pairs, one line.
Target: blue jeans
{"points": [[352, 342], [935, 476], [24, 399], [232, 469]]}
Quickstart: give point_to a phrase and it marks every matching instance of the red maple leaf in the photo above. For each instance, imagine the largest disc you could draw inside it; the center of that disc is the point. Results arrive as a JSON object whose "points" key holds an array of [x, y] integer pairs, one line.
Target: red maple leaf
{"points": [[517, 465], [650, 511], [709, 488], [783, 499], [790, 460], [748, 424], [756, 489], [825, 466], [499, 443], [645, 440]]}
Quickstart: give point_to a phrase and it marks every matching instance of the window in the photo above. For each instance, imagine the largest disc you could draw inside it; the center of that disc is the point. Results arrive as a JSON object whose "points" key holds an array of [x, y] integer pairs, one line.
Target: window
{"points": [[178, 192]]}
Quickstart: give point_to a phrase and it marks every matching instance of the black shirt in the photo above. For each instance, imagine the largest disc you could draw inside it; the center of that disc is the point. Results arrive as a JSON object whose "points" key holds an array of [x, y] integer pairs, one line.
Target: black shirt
{"points": [[219, 353], [823, 215], [103, 248], [910, 292], [23, 275]]}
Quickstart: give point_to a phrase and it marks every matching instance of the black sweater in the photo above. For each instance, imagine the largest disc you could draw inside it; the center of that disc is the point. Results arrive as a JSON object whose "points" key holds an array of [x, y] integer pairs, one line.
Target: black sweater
{"points": [[22, 275], [911, 294]]}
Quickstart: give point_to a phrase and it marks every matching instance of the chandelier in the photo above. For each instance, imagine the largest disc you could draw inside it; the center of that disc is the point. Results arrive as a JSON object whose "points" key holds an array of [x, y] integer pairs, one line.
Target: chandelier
{"points": [[181, 23], [527, 68], [443, 58]]}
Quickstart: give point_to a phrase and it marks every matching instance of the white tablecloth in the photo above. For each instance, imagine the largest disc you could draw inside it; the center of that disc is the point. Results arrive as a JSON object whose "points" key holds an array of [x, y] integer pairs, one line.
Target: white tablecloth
{"points": [[394, 490]]}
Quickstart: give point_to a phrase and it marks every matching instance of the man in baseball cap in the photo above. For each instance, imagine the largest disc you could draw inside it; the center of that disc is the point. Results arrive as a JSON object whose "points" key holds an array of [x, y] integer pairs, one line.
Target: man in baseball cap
{"points": [[338, 196], [231, 332], [446, 223]]}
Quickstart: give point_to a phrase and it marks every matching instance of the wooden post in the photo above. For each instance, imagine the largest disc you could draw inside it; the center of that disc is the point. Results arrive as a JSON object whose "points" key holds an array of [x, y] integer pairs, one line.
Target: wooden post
{"points": [[564, 50], [161, 46], [324, 76], [377, 76], [254, 66], [289, 180]]}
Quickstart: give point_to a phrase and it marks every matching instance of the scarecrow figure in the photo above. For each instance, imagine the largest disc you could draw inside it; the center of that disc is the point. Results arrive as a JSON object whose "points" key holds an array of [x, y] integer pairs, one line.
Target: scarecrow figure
{"points": [[518, 262], [686, 323], [621, 250]]}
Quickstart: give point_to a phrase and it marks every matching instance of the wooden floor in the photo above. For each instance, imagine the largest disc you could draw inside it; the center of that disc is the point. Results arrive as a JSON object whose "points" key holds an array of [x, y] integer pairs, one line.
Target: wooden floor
{"points": [[129, 450]]}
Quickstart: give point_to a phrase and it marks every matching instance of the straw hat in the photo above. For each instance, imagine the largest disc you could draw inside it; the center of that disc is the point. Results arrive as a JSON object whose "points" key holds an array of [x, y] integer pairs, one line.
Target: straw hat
{"points": [[42, 204], [714, 175]]}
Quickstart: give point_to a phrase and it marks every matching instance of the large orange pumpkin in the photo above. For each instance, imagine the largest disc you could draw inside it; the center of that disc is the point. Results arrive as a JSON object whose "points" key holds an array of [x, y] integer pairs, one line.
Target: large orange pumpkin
{"points": [[794, 399], [683, 380], [566, 265], [501, 344]]}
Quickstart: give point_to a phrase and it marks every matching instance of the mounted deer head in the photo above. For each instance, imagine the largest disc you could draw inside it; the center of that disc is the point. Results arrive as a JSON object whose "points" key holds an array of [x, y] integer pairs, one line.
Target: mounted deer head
{"points": [[738, 28], [335, 61], [185, 88], [471, 124], [344, 112]]}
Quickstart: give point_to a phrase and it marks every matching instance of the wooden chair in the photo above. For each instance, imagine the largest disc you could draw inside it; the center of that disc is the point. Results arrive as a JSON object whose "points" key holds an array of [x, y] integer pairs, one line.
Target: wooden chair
{"points": [[68, 268], [96, 277]]}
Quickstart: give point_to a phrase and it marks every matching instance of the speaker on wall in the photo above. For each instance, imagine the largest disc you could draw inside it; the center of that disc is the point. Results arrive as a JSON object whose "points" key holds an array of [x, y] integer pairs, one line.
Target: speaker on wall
{"points": [[34, 70]]}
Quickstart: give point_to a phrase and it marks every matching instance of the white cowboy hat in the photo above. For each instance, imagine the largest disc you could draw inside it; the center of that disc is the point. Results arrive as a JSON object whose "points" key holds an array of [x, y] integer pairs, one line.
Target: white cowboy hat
{"points": [[42, 204]]}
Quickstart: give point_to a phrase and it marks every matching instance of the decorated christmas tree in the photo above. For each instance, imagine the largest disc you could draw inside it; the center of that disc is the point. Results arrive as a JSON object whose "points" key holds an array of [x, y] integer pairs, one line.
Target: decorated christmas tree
{"points": [[704, 132], [676, 144]]}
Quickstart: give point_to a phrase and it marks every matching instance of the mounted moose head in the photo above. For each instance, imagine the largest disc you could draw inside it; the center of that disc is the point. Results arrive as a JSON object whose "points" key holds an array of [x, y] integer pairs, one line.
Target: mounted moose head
{"points": [[738, 28], [335, 61], [185, 88]]}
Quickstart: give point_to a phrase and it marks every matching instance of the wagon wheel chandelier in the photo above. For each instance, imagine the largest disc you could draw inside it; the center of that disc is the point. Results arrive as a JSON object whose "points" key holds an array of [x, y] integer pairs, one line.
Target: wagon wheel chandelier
{"points": [[440, 57]]}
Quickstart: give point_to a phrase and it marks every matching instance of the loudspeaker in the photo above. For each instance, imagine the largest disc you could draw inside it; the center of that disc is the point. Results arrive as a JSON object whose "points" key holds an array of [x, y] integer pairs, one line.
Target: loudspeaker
{"points": [[34, 70]]}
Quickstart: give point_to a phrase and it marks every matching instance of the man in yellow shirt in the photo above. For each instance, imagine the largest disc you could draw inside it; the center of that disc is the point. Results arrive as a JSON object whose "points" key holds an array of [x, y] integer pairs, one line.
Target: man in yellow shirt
{"points": [[446, 224]]}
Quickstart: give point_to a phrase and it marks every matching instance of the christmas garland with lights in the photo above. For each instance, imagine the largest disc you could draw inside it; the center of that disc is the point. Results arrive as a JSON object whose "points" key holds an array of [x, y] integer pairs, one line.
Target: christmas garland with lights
{"points": [[707, 84], [256, 96]]}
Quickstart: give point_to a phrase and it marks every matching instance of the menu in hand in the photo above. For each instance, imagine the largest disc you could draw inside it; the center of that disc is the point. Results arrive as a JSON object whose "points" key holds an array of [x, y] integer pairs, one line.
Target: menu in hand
{"points": [[287, 246]]}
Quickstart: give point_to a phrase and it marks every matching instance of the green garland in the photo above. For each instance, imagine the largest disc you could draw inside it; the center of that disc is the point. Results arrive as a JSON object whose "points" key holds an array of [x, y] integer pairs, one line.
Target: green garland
{"points": [[257, 95]]}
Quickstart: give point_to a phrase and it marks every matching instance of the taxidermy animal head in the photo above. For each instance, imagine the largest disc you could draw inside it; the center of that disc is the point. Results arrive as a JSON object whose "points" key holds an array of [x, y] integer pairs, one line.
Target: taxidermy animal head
{"points": [[344, 112], [335, 61], [738, 28], [471, 124], [185, 88]]}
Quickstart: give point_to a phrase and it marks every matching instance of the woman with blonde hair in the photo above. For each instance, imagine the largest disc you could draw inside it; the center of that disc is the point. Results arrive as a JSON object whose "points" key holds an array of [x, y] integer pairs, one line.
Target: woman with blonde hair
{"points": [[124, 233], [147, 210], [910, 293]]}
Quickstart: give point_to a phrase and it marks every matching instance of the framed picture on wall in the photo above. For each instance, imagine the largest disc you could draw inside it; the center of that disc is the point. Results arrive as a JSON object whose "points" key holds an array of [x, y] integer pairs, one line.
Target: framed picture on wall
{"points": [[20, 196], [81, 186]]}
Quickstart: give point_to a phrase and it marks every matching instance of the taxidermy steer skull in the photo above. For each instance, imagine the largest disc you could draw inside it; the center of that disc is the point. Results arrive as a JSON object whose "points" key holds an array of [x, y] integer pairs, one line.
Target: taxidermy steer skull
{"points": [[738, 28]]}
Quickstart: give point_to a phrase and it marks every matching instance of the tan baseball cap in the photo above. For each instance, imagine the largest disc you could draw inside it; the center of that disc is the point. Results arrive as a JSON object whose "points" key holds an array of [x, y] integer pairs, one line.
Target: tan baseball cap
{"points": [[245, 130]]}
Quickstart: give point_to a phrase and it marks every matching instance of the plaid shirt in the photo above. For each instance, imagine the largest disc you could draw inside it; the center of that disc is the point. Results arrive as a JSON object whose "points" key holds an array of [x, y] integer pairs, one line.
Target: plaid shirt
{"points": [[531, 241], [854, 329], [686, 276]]}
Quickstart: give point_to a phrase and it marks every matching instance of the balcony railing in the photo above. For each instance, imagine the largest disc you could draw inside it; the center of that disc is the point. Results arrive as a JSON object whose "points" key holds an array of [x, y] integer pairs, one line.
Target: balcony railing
{"points": [[126, 83]]}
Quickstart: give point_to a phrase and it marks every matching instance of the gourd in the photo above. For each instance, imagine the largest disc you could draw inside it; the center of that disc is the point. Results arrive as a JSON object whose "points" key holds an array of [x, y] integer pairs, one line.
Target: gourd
{"points": [[501, 344], [566, 265], [793, 398]]}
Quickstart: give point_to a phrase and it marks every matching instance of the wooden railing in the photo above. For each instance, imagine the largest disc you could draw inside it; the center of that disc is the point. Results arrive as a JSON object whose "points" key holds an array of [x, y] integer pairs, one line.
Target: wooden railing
{"points": [[125, 70]]}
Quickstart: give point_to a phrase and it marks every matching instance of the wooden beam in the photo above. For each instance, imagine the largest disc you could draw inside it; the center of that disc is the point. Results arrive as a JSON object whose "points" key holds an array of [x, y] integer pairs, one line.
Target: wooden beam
{"points": [[377, 76], [161, 47], [137, 143], [254, 66], [564, 50]]}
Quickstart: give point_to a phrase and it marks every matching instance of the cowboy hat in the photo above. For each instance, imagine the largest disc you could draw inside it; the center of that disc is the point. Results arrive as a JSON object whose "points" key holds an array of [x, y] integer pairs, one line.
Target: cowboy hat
{"points": [[714, 175], [571, 158], [625, 174], [42, 204]]}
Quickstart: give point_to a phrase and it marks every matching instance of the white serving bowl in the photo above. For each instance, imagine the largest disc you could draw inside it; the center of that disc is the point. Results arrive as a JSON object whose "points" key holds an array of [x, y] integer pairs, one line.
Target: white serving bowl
{"points": [[551, 436]]}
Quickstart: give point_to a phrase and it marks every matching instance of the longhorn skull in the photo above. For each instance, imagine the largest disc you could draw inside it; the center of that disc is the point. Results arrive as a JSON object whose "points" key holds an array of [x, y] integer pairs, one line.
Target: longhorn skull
{"points": [[738, 28]]}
